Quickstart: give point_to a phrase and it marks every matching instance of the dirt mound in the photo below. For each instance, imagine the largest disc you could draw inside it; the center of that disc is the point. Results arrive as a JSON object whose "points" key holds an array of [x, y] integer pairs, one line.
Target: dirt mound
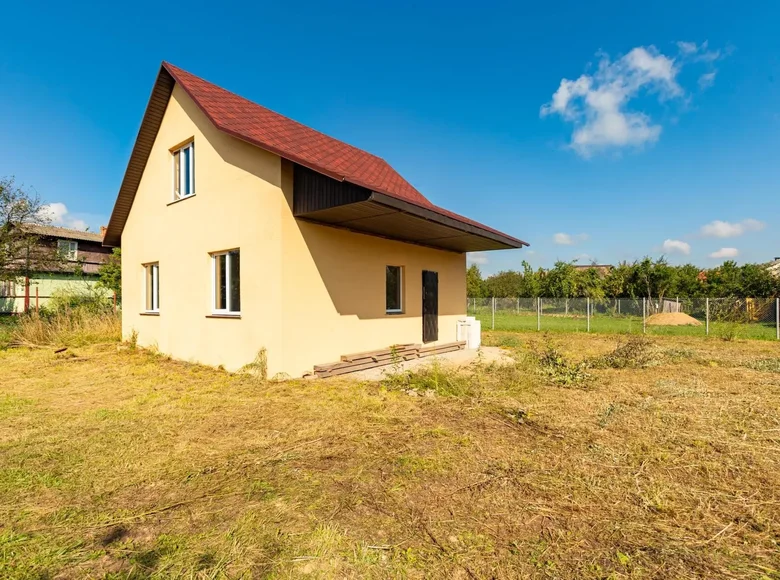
{"points": [[672, 319]]}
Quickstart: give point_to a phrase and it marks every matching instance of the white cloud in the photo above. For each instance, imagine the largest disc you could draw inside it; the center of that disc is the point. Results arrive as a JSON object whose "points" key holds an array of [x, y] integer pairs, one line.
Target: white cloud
{"points": [[569, 240], [725, 253], [721, 229], [687, 47], [477, 258], [58, 215], [676, 246], [598, 104], [697, 52], [707, 80]]}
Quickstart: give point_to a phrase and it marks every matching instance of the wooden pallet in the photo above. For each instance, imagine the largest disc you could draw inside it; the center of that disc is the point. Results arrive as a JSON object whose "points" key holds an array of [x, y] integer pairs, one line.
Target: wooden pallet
{"points": [[376, 358]]}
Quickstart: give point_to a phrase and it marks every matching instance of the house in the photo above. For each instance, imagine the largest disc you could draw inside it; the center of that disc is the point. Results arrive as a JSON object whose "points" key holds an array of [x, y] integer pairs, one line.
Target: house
{"points": [[79, 255], [245, 234], [774, 266]]}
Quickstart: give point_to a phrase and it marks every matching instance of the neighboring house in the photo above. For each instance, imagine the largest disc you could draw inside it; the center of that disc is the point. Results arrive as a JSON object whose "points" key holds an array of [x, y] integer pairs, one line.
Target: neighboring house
{"points": [[245, 233], [82, 253], [774, 267]]}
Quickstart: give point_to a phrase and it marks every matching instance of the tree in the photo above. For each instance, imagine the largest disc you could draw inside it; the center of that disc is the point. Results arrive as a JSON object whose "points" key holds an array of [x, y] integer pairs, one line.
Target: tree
{"points": [[507, 283], [110, 273], [590, 284], [654, 278], [531, 284], [21, 252], [615, 283], [560, 281], [687, 282], [757, 282], [725, 280]]}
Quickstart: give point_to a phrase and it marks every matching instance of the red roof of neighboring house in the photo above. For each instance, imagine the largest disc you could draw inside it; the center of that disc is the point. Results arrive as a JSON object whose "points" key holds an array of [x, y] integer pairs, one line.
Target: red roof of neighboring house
{"points": [[268, 130]]}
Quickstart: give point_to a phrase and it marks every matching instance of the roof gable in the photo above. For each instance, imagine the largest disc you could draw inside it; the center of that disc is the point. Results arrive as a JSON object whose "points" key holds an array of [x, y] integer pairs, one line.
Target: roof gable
{"points": [[287, 138], [273, 132]]}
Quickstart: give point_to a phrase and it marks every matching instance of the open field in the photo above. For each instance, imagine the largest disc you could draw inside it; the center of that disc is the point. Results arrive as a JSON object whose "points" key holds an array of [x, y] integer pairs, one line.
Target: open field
{"points": [[124, 464], [604, 324]]}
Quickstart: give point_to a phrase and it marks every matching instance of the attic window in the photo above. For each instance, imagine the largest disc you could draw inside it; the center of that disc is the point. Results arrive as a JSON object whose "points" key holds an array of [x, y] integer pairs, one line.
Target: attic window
{"points": [[68, 249], [184, 171]]}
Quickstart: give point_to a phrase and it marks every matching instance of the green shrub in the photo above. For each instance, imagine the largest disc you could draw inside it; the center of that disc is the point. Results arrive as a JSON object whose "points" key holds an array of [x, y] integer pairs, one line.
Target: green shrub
{"points": [[88, 298], [559, 370]]}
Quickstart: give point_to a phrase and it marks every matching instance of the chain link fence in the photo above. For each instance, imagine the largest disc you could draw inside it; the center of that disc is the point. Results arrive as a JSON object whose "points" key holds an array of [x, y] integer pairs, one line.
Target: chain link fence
{"points": [[730, 318]]}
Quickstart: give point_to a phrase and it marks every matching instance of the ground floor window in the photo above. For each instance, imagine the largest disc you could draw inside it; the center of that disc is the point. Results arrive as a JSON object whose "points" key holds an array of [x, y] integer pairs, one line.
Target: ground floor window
{"points": [[152, 287], [393, 289], [226, 275]]}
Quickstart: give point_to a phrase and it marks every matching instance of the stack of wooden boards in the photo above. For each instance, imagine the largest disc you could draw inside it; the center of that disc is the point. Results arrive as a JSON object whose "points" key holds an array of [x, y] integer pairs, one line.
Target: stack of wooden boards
{"points": [[350, 363]]}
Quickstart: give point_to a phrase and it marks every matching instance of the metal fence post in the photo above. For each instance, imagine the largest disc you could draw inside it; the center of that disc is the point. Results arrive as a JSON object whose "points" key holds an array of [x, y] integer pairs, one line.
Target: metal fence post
{"points": [[538, 313], [493, 324], [707, 316], [587, 311], [777, 317], [518, 305], [644, 315]]}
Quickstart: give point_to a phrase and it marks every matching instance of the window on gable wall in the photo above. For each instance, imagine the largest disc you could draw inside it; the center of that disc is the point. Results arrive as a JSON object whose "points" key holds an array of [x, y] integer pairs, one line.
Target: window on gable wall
{"points": [[184, 171], [68, 248], [226, 282], [152, 287]]}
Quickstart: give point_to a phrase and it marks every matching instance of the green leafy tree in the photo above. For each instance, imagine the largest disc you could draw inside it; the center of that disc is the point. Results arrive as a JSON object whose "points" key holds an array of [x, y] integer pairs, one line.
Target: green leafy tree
{"points": [[110, 273], [615, 283], [725, 280], [531, 284], [561, 280], [507, 283], [653, 278], [590, 284], [756, 281], [687, 282]]}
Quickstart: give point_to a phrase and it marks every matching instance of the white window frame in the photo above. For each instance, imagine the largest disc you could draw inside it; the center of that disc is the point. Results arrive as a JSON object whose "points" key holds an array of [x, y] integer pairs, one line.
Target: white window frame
{"points": [[400, 290], [72, 251], [153, 269], [180, 150], [228, 279]]}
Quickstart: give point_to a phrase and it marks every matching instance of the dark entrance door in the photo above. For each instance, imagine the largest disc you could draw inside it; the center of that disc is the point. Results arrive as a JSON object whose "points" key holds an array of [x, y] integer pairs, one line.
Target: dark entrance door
{"points": [[430, 305]]}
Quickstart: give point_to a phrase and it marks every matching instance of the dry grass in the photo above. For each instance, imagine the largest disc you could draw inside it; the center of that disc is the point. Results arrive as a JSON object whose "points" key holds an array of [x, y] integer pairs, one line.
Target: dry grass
{"points": [[123, 464], [69, 327]]}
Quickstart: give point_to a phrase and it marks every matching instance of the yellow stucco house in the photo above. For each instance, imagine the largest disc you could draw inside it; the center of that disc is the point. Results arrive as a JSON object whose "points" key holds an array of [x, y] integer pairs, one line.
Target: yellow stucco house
{"points": [[244, 231]]}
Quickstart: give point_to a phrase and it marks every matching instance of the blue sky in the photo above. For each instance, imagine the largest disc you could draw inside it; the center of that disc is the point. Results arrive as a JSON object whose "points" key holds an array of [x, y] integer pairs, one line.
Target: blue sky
{"points": [[654, 147]]}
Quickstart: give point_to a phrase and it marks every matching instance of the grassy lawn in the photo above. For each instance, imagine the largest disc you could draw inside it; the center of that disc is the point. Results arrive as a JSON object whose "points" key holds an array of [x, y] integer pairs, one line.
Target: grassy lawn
{"points": [[622, 325], [119, 463]]}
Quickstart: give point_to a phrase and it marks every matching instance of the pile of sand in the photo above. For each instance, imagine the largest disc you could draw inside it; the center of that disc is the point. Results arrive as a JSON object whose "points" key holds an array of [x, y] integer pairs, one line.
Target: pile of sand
{"points": [[672, 319]]}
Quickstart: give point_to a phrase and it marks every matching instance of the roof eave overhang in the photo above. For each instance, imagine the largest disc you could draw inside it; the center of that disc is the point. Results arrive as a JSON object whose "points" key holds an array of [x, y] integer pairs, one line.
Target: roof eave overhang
{"points": [[385, 216], [508, 242]]}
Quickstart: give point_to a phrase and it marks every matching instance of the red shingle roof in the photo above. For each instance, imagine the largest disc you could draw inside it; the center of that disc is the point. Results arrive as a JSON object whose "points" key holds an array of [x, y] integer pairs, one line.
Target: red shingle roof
{"points": [[292, 140], [268, 130]]}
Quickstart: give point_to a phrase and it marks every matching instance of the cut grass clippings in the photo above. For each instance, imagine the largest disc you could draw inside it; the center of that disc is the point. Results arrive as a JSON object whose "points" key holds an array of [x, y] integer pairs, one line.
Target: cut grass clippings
{"points": [[124, 464]]}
